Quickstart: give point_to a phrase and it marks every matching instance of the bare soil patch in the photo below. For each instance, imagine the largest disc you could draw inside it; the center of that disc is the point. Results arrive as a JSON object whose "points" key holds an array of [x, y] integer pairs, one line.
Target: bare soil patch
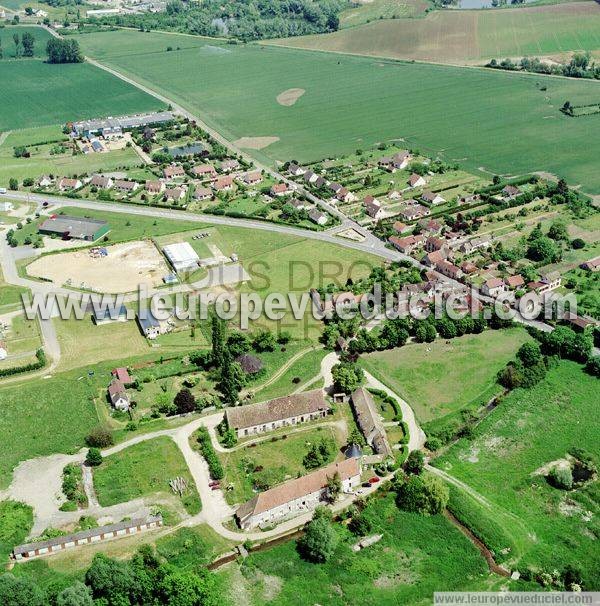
{"points": [[122, 270], [255, 142], [290, 96]]}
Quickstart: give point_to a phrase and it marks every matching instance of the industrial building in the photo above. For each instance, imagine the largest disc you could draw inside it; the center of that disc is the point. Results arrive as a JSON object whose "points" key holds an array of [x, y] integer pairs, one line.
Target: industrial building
{"points": [[182, 256], [78, 228]]}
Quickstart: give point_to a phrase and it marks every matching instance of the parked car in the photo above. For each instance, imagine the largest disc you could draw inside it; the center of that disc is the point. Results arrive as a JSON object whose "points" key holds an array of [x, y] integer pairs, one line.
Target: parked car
{"points": [[373, 480]]}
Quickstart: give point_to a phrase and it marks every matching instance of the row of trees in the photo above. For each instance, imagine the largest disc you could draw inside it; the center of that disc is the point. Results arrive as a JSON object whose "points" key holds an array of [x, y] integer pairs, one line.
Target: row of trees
{"points": [[24, 45], [145, 579], [240, 19], [60, 50], [580, 66]]}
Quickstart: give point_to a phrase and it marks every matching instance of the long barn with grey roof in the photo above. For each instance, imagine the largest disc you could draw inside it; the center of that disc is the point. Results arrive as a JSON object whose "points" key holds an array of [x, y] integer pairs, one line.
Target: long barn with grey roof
{"points": [[79, 228], [111, 125], [280, 412]]}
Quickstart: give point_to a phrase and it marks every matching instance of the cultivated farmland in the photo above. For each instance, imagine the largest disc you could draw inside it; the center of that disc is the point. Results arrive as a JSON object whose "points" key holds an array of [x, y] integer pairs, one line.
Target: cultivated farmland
{"points": [[469, 36], [504, 122]]}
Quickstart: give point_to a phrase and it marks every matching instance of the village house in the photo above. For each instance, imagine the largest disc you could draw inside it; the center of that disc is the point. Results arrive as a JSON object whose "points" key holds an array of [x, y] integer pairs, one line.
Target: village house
{"points": [[125, 186], [414, 212], [345, 195], [224, 183], [286, 411], [334, 187], [401, 159], [515, 281], [150, 327], [85, 537], [369, 422], [309, 176], [44, 181], [173, 171], [591, 265], [449, 269], [431, 226], [101, 182], [118, 395], [468, 198], [205, 171], [252, 178], [280, 189], [395, 195], [416, 181], [433, 258], [434, 243], [122, 374], [155, 187], [320, 182], [297, 496], [228, 165], [493, 287], [174, 193], [295, 170], [431, 198], [65, 184], [299, 204], [318, 217], [552, 279], [202, 193], [407, 244], [400, 227], [510, 192], [468, 267], [373, 208]]}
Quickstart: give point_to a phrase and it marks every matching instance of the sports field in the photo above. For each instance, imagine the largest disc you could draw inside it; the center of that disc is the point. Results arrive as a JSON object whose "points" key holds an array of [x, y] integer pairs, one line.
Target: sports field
{"points": [[469, 36], [34, 93], [504, 122]]}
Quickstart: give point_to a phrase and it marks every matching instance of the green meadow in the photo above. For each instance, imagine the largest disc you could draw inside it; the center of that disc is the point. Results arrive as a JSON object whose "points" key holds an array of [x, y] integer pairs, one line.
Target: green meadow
{"points": [[503, 462], [503, 122], [41, 37]]}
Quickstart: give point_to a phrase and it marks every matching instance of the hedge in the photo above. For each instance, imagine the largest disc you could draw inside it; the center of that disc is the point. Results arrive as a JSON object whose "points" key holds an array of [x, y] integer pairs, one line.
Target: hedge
{"points": [[208, 452], [41, 362]]}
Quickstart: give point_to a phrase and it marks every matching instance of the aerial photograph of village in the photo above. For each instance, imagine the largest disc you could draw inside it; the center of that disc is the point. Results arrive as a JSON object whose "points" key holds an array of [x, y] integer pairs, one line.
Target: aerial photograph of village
{"points": [[299, 302]]}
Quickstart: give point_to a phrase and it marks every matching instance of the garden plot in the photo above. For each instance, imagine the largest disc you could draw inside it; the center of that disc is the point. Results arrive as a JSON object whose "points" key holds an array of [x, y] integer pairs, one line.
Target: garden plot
{"points": [[124, 268]]}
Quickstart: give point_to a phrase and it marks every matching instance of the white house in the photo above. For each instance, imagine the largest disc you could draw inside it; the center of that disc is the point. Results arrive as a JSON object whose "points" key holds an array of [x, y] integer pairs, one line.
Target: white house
{"points": [[118, 396], [432, 198], [493, 287], [316, 216], [297, 496], [416, 181]]}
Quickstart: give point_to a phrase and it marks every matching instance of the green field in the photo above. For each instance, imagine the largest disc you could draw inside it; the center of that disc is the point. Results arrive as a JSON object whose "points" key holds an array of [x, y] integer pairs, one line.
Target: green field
{"points": [[416, 556], [462, 36], [530, 429], [441, 378], [503, 122], [40, 35], [144, 470], [371, 10], [280, 460], [36, 93]]}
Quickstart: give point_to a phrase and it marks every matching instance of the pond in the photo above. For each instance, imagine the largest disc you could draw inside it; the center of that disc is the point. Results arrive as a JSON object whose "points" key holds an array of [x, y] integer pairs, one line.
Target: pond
{"points": [[485, 3], [187, 150]]}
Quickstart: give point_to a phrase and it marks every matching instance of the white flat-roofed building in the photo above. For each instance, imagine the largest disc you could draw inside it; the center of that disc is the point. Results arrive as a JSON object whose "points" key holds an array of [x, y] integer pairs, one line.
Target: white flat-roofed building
{"points": [[182, 256]]}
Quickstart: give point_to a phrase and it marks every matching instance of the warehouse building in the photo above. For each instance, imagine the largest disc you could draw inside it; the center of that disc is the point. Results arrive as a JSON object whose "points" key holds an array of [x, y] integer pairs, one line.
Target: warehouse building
{"points": [[78, 228], [115, 126], [181, 256]]}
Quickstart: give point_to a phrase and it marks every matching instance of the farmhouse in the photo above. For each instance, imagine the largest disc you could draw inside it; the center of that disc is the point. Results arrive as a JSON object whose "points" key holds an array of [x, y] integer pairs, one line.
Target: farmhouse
{"points": [[552, 280], [78, 228], [223, 183], [369, 422], [182, 256], [493, 287], [431, 198], [591, 265], [126, 186], [316, 216], [433, 258], [468, 267], [155, 187], [281, 412], [395, 195], [170, 172], [431, 226], [252, 178], [297, 496], [299, 204], [118, 396], [85, 537], [334, 187], [205, 171], [122, 374], [101, 182], [432, 244], [401, 159], [65, 184], [416, 181]]}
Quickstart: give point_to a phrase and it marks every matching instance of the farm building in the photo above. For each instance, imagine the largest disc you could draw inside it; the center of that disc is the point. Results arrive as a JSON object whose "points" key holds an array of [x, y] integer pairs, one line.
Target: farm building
{"points": [[111, 126], [78, 228], [104, 315], [118, 395], [280, 412], [297, 496], [151, 327], [85, 537], [369, 422], [182, 256]]}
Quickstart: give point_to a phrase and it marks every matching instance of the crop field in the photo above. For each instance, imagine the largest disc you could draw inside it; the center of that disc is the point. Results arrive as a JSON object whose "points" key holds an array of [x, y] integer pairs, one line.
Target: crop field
{"points": [[469, 36], [442, 377], [503, 122], [36, 93], [143, 470], [417, 555], [504, 463], [370, 10]]}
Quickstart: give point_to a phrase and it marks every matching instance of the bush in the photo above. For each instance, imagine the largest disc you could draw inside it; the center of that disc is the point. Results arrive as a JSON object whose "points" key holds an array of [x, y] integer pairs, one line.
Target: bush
{"points": [[208, 452], [561, 477], [100, 437], [93, 457], [360, 525], [415, 463], [427, 495], [319, 541]]}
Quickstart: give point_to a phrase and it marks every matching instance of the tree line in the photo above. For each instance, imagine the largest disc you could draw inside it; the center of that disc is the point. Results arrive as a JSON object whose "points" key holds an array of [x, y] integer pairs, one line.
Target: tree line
{"points": [[24, 45], [580, 66]]}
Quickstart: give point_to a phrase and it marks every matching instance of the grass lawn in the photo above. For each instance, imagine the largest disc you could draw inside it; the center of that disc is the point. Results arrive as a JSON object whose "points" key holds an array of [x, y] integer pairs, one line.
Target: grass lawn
{"points": [[41, 37], [504, 122], [44, 416], [23, 336], [466, 36], [53, 94], [280, 460], [144, 470], [16, 521], [438, 379], [530, 429], [416, 556], [10, 296], [381, 9]]}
